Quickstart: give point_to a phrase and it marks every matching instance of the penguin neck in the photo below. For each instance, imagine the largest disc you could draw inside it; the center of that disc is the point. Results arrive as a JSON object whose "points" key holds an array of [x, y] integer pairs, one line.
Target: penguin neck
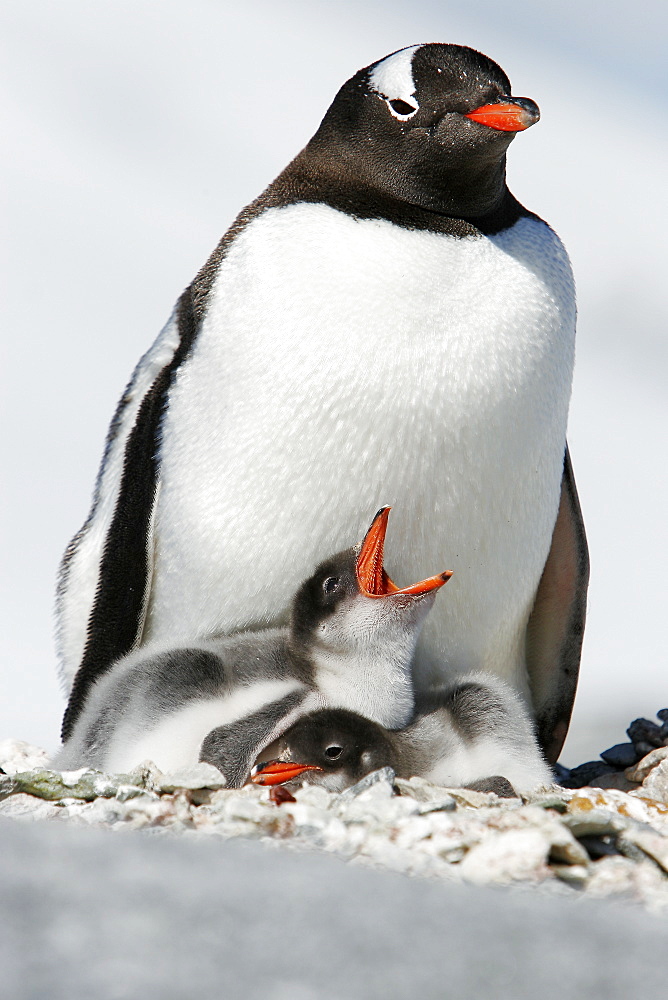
{"points": [[375, 684], [468, 199], [468, 191]]}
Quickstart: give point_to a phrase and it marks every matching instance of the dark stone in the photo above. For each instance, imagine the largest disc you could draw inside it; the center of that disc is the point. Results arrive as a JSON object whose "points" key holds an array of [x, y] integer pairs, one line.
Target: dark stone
{"points": [[584, 773], [664, 733], [616, 780], [644, 731], [629, 849], [598, 847], [497, 784], [644, 748], [622, 755], [662, 714]]}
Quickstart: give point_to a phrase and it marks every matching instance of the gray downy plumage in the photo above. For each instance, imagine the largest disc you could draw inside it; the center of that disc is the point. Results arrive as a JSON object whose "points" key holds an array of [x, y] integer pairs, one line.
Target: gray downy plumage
{"points": [[475, 733], [350, 642]]}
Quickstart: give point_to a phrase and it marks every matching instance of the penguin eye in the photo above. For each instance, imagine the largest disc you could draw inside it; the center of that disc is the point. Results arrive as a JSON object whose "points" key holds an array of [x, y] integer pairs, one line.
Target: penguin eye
{"points": [[331, 584], [402, 107], [333, 752]]}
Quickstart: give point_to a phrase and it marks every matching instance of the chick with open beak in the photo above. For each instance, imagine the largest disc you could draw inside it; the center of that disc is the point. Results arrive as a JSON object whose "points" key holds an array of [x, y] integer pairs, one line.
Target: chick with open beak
{"points": [[357, 630], [349, 644], [350, 641]]}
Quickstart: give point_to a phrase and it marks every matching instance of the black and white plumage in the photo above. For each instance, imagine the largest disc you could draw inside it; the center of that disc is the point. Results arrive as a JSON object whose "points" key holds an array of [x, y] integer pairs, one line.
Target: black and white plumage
{"points": [[463, 735], [386, 323], [350, 643]]}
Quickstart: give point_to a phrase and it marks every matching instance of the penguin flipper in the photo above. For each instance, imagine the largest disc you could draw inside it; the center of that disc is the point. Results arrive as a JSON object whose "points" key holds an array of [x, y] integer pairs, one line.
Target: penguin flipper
{"points": [[105, 575], [556, 625]]}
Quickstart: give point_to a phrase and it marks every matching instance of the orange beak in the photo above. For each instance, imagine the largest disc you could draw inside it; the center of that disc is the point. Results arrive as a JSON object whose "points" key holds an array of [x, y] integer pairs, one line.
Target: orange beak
{"points": [[277, 772], [512, 115], [372, 579]]}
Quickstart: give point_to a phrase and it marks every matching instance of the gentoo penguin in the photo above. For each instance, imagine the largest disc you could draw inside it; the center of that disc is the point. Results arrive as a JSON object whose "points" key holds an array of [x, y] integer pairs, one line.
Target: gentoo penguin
{"points": [[473, 731], [350, 642], [385, 323]]}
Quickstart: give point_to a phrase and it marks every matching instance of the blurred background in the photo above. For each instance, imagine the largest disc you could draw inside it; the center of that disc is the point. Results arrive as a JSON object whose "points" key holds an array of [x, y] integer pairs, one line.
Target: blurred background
{"points": [[135, 130]]}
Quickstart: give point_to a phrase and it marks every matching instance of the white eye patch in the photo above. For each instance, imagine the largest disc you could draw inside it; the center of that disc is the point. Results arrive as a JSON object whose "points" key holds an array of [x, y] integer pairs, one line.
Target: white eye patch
{"points": [[392, 78], [403, 110]]}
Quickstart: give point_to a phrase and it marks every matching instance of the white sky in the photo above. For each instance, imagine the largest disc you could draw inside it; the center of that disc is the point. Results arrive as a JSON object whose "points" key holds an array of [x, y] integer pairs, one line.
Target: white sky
{"points": [[135, 130]]}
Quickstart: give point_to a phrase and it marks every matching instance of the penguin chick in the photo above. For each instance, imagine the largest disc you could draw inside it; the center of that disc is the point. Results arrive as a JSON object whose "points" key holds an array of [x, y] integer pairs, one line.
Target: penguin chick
{"points": [[350, 642], [469, 731], [476, 733], [334, 747]]}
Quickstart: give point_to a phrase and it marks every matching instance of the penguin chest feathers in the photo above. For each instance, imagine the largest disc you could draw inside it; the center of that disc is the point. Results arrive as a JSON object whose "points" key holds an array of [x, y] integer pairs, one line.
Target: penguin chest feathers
{"points": [[343, 364]]}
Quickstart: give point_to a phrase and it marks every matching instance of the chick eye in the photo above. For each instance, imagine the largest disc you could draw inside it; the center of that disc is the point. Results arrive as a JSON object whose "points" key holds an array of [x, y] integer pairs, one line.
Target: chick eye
{"points": [[402, 107], [331, 584], [333, 752]]}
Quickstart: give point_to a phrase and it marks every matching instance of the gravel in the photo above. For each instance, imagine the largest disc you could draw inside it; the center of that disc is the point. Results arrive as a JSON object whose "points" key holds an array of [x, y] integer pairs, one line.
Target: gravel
{"points": [[589, 841]]}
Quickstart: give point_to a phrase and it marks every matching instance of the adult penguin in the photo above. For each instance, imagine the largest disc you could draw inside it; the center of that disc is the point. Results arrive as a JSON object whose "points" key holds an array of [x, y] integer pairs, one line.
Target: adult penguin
{"points": [[385, 324]]}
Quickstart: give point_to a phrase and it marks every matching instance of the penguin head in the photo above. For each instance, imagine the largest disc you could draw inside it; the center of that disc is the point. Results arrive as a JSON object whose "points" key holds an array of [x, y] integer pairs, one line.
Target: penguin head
{"points": [[428, 125], [331, 747], [350, 608]]}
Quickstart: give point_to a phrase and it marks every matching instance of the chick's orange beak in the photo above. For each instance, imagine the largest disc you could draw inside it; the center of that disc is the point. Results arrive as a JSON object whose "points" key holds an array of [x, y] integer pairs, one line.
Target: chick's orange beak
{"points": [[276, 772], [372, 578]]}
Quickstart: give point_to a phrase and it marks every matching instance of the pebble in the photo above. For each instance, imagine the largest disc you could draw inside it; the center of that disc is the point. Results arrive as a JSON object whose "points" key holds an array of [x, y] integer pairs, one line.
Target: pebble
{"points": [[640, 771], [655, 785], [650, 843], [621, 755], [195, 777], [384, 775], [510, 856], [555, 799], [598, 847], [593, 822], [430, 797], [644, 732], [583, 774], [614, 780], [575, 875]]}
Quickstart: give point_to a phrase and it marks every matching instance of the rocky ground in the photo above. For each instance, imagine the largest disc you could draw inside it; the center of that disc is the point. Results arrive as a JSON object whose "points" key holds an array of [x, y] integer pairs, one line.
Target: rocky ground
{"points": [[594, 841]]}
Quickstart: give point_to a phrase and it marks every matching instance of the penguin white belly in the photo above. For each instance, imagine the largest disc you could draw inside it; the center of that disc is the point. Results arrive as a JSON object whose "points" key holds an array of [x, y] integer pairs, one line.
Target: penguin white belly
{"points": [[346, 364]]}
